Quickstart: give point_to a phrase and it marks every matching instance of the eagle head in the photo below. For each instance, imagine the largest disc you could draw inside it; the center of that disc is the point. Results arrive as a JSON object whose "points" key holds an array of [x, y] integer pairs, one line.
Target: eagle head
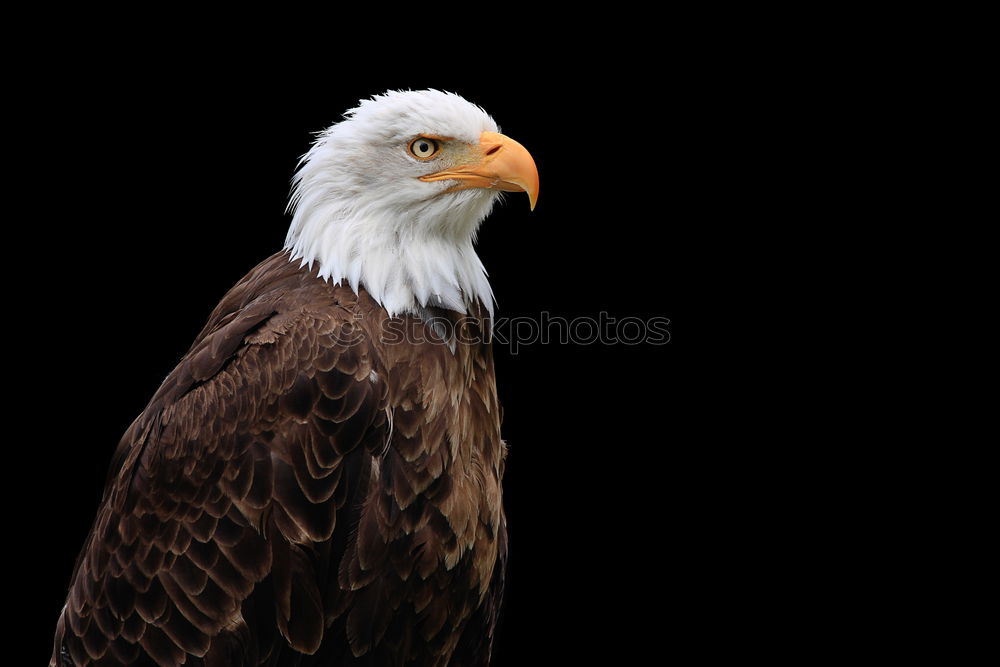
{"points": [[390, 198]]}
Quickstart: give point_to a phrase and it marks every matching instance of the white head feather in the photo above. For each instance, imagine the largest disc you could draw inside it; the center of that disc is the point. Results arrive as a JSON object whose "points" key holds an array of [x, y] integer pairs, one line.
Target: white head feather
{"points": [[361, 213]]}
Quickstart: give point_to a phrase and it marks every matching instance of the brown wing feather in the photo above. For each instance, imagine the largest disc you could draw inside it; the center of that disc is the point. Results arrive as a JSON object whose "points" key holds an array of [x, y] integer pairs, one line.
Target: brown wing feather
{"points": [[224, 481], [297, 493]]}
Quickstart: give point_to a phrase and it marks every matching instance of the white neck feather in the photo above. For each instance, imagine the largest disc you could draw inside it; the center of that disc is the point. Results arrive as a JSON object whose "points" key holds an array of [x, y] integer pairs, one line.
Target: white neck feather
{"points": [[402, 268]]}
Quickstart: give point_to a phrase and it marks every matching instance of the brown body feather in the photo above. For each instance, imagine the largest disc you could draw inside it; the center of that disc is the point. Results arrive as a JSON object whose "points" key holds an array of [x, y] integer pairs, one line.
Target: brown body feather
{"points": [[305, 488]]}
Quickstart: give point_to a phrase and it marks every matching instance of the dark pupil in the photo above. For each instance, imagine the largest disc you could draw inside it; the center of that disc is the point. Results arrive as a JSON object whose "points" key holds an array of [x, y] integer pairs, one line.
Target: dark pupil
{"points": [[424, 148]]}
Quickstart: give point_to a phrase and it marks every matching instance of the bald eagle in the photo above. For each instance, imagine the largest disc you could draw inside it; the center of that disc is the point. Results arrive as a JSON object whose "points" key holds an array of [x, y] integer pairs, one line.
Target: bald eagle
{"points": [[318, 481]]}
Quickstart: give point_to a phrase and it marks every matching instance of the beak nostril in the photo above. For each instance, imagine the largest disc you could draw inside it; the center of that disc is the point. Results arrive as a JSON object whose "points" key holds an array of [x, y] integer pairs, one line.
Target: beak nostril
{"points": [[493, 150]]}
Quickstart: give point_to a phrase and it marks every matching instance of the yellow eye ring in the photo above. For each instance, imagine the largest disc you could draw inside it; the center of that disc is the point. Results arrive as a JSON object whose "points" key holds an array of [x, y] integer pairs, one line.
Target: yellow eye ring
{"points": [[424, 148]]}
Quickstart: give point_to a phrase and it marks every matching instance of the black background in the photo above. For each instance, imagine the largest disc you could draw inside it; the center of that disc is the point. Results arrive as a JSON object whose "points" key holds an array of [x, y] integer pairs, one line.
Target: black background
{"points": [[164, 183]]}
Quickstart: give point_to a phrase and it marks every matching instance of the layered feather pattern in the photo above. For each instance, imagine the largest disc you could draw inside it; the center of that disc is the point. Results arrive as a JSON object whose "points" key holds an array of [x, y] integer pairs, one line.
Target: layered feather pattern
{"points": [[300, 491]]}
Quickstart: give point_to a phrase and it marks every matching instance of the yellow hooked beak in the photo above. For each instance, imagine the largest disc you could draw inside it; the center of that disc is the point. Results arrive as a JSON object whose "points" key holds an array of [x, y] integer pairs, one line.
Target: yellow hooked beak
{"points": [[501, 164]]}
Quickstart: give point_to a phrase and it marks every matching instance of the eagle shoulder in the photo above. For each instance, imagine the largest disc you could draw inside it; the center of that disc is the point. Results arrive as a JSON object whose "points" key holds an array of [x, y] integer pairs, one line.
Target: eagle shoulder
{"points": [[222, 488]]}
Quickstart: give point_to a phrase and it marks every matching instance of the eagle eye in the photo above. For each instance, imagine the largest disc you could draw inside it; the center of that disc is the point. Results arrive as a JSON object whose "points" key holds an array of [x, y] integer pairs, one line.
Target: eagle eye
{"points": [[424, 148]]}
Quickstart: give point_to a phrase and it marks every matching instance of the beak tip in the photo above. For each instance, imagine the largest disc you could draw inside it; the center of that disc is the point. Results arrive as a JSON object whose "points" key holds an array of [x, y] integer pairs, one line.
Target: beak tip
{"points": [[531, 189]]}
